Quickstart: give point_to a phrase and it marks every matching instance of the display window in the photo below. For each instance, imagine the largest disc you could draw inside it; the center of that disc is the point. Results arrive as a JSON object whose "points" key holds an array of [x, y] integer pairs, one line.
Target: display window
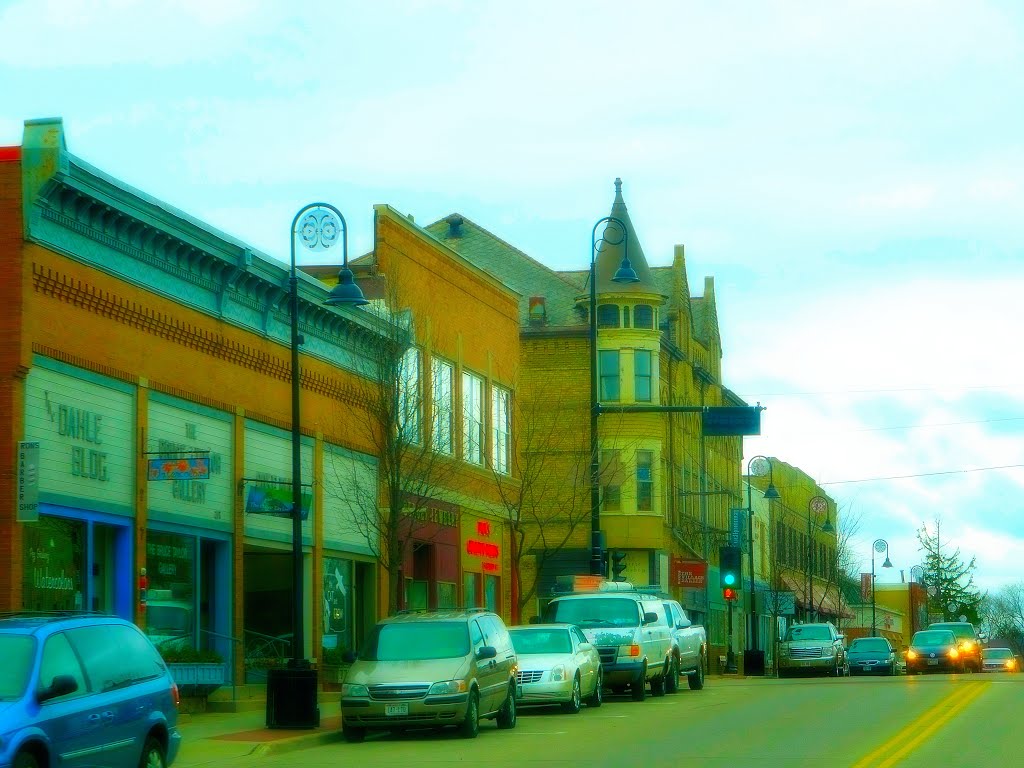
{"points": [[171, 599], [55, 554]]}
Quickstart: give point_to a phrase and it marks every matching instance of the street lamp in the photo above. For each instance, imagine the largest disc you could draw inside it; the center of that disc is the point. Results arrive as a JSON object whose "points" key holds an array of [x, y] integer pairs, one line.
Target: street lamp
{"points": [[319, 226], [758, 466], [880, 546], [624, 274], [816, 505], [916, 577]]}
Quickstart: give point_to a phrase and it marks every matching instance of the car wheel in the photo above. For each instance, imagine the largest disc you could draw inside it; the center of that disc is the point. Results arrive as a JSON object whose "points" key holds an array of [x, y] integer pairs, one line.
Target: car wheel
{"points": [[25, 760], [598, 696], [353, 734], [507, 716], [470, 727], [572, 706], [638, 688], [152, 754], [672, 679], [696, 680]]}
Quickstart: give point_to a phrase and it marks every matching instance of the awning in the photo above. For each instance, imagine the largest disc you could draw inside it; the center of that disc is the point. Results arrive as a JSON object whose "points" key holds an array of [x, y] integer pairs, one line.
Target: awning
{"points": [[824, 600]]}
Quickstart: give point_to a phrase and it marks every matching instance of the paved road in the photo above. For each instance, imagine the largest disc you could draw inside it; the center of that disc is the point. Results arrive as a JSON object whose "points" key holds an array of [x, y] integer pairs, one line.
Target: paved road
{"points": [[940, 720]]}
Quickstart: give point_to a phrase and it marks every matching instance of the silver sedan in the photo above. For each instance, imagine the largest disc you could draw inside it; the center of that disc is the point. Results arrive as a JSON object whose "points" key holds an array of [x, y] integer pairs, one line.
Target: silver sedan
{"points": [[557, 665]]}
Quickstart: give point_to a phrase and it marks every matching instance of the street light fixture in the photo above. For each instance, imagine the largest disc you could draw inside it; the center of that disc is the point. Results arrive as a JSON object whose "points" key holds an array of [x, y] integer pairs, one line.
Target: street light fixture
{"points": [[319, 226], [816, 505], [624, 274], [758, 466], [880, 546]]}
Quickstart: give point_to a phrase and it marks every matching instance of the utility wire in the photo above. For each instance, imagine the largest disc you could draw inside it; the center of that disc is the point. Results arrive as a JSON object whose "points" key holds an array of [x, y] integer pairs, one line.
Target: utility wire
{"points": [[922, 474]]}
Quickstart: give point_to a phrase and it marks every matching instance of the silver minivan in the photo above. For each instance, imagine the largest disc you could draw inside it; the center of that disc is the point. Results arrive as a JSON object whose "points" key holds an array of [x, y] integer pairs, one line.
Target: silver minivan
{"points": [[629, 632]]}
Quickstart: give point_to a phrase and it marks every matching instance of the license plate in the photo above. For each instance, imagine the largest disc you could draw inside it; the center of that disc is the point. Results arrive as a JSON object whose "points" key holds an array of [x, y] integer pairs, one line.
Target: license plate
{"points": [[867, 667], [933, 662], [396, 710]]}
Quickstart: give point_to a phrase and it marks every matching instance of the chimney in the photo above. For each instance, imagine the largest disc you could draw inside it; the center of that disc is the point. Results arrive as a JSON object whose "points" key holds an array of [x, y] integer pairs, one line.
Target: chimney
{"points": [[454, 223]]}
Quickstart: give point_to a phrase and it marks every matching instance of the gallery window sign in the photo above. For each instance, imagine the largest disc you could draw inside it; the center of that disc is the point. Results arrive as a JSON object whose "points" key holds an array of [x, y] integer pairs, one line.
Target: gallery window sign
{"points": [[267, 480], [189, 457], [85, 432], [481, 545]]}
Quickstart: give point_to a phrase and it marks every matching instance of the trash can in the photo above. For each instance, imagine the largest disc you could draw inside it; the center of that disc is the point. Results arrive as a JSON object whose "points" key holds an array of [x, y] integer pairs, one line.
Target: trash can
{"points": [[753, 662], [292, 698]]}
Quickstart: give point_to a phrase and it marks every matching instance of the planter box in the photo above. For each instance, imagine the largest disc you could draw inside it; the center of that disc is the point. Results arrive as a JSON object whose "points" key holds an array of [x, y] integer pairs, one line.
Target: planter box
{"points": [[199, 679]]}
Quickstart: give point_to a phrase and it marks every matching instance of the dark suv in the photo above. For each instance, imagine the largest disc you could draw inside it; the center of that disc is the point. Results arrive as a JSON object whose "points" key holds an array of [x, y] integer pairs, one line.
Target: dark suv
{"points": [[968, 642], [87, 686]]}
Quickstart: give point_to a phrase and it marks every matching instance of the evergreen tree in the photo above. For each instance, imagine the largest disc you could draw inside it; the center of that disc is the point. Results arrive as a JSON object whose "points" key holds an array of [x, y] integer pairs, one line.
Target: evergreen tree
{"points": [[950, 580]]}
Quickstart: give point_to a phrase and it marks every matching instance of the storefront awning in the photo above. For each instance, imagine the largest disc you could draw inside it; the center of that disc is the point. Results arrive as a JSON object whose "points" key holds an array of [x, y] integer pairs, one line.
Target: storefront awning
{"points": [[823, 599]]}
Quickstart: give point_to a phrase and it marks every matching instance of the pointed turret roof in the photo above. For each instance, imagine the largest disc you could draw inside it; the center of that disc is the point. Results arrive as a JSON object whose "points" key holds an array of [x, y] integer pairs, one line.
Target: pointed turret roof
{"points": [[610, 253]]}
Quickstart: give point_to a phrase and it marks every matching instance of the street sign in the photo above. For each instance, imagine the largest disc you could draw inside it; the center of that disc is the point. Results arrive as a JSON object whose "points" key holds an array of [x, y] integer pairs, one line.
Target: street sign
{"points": [[731, 421], [737, 527]]}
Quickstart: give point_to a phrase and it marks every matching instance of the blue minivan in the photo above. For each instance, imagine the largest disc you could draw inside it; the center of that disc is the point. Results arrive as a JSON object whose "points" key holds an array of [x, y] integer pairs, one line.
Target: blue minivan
{"points": [[83, 690]]}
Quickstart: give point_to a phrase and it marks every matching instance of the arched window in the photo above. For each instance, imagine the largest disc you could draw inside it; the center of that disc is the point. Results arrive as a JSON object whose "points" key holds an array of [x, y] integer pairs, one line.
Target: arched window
{"points": [[625, 317], [608, 316], [643, 316]]}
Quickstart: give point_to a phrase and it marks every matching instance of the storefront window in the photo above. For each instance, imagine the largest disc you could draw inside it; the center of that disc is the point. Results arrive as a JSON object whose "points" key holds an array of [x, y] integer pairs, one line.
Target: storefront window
{"points": [[337, 604], [492, 593], [447, 595], [471, 586], [54, 563], [171, 603]]}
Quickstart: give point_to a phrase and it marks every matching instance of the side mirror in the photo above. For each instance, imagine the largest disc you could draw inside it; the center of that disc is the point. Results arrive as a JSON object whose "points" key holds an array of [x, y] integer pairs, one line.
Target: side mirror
{"points": [[650, 617], [349, 657], [586, 646], [486, 652], [62, 685], [683, 624]]}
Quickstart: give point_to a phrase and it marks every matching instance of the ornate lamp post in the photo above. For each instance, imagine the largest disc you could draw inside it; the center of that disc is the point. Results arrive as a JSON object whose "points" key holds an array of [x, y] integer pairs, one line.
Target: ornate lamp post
{"points": [[624, 274], [318, 226], [816, 505], [880, 546], [758, 466]]}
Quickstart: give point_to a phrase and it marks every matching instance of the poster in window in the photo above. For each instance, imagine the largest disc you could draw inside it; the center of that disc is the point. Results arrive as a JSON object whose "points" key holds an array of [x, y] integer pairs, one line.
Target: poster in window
{"points": [[54, 561], [337, 603]]}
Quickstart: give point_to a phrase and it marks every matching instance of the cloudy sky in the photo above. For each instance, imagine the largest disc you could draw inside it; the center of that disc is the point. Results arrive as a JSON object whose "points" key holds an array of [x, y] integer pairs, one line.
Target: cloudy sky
{"points": [[852, 175]]}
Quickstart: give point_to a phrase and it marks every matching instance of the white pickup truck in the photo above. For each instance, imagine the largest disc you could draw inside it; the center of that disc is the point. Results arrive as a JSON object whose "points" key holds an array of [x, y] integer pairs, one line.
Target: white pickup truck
{"points": [[689, 648]]}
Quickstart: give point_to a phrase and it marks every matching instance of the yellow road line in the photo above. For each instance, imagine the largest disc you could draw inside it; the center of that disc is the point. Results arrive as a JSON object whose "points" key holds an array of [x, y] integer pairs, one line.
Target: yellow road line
{"points": [[911, 736]]}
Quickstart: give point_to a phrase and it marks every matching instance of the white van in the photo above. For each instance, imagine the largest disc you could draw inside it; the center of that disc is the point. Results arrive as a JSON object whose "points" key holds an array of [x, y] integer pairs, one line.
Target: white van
{"points": [[630, 632]]}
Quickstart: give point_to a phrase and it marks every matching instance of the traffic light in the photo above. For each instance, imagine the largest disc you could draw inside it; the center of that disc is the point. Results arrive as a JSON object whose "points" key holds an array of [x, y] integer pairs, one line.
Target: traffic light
{"points": [[729, 594], [618, 565], [729, 567]]}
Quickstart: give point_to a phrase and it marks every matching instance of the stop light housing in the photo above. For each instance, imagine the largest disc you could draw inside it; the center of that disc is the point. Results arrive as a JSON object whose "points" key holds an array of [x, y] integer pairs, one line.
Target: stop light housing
{"points": [[618, 565], [730, 572], [729, 594]]}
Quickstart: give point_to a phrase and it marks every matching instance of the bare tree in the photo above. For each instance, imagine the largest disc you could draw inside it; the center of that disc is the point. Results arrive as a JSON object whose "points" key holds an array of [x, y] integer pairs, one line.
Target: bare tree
{"points": [[1002, 615], [545, 489], [405, 498], [843, 567]]}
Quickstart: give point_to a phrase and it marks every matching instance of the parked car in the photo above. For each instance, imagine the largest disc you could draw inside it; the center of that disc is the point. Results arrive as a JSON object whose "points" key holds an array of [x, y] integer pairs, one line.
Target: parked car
{"points": [[557, 665], [998, 660], [689, 649], [429, 669], [934, 650], [87, 685], [813, 648], [872, 656], [968, 642], [629, 630]]}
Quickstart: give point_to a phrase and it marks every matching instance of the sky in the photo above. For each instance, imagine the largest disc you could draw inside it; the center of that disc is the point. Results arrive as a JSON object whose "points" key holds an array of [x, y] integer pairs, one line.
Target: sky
{"points": [[850, 173]]}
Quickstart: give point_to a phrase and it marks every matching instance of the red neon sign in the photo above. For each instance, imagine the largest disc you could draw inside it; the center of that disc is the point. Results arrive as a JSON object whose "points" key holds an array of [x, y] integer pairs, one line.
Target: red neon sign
{"points": [[482, 549], [483, 527]]}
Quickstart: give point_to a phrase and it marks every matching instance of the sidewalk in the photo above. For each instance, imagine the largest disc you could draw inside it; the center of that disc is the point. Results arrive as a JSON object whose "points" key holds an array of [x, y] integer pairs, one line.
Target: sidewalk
{"points": [[212, 737]]}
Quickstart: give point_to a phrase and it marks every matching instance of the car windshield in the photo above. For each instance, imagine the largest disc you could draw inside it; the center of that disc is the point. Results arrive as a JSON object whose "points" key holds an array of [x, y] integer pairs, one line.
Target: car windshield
{"points": [[416, 641], [534, 641], [926, 639], [808, 633], [17, 652], [870, 644], [997, 653], [960, 630], [595, 612]]}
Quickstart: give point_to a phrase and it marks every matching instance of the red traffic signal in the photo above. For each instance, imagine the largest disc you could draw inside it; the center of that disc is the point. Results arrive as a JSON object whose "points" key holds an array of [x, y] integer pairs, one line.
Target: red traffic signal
{"points": [[728, 593]]}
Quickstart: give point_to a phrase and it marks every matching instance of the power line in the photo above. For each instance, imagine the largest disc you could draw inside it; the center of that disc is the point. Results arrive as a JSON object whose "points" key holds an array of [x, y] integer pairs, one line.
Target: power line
{"points": [[1008, 387], [923, 474], [935, 424]]}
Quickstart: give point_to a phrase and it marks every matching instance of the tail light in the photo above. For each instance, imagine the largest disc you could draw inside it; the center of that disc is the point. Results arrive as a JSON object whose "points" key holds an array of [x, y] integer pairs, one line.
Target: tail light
{"points": [[175, 696]]}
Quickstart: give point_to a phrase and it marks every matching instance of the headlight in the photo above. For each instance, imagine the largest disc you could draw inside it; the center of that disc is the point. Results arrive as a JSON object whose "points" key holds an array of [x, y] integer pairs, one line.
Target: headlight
{"points": [[783, 650], [447, 687], [558, 673], [1010, 664], [354, 691], [830, 651], [911, 655], [954, 653], [967, 646]]}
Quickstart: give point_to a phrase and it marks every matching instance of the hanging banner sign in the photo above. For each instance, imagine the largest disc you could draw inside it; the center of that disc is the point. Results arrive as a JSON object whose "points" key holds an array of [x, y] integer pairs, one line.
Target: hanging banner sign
{"points": [[28, 482], [731, 421], [865, 587], [197, 468], [275, 500]]}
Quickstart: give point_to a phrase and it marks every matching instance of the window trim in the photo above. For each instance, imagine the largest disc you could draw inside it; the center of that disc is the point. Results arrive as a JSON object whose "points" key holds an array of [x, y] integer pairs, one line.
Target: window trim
{"points": [[473, 418]]}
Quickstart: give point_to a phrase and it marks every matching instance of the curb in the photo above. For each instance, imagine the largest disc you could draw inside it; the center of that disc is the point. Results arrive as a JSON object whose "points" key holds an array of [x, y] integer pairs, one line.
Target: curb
{"points": [[284, 746]]}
